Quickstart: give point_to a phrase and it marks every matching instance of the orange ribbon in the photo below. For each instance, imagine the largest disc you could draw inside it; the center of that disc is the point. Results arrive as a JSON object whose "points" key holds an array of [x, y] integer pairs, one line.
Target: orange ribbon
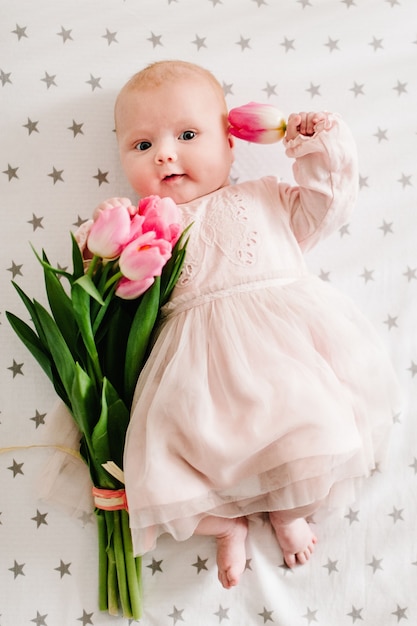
{"points": [[110, 499]]}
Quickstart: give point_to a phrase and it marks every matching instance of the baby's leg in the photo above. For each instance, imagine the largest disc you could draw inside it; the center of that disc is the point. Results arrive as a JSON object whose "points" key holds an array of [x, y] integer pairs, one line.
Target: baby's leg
{"points": [[294, 534], [231, 553]]}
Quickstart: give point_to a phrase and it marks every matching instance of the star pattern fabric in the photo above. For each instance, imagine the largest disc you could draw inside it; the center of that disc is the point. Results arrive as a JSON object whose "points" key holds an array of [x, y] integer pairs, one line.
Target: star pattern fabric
{"points": [[60, 70]]}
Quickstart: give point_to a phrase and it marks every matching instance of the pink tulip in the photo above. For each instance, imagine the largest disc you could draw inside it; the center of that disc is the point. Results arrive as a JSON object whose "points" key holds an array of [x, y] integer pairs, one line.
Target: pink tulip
{"points": [[162, 216], [144, 257], [259, 123], [110, 232], [131, 289]]}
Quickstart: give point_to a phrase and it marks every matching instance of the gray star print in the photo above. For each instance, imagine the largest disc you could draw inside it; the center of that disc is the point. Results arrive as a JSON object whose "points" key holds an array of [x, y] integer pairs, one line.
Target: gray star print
{"points": [[357, 89], [39, 620], [310, 616], [86, 618], [56, 175], [94, 82], [111, 37], [16, 468], [11, 172], [5, 78], [314, 90], [288, 44], [31, 126], [76, 128], [63, 569], [243, 43], [155, 566], [16, 368], [400, 613], [396, 514], [101, 177], [375, 564], [222, 613], [155, 40], [40, 518], [266, 615], [17, 569], [352, 516], [65, 34], [331, 566], [376, 44], [36, 222], [386, 227], [20, 31], [200, 42], [177, 615], [200, 564], [355, 614], [49, 80]]}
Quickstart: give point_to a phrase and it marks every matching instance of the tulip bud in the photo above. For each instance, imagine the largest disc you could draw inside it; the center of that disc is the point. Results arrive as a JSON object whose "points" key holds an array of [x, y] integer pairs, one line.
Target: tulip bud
{"points": [[258, 123], [110, 232]]}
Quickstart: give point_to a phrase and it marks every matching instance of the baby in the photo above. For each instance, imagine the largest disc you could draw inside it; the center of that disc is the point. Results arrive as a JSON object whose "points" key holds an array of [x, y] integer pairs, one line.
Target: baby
{"points": [[266, 390]]}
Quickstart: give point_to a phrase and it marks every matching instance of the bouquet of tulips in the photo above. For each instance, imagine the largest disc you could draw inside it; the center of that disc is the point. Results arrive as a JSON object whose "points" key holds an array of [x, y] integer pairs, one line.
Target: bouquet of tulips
{"points": [[92, 345]]}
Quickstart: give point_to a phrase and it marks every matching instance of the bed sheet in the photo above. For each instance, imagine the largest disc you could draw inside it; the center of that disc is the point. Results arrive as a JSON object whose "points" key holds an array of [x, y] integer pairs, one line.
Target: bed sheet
{"points": [[61, 65]]}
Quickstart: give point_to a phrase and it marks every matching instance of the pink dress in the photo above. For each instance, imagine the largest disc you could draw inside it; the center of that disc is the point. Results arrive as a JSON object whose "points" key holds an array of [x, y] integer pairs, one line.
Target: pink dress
{"points": [[266, 388]]}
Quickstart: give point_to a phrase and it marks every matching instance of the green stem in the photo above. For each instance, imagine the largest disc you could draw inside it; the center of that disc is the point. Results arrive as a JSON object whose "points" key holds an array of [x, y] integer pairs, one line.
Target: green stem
{"points": [[112, 588], [92, 265], [133, 569], [103, 562], [114, 279], [121, 566]]}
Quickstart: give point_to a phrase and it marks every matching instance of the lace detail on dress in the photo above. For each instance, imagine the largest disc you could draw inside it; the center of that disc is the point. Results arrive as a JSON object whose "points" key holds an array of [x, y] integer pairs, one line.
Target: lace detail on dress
{"points": [[226, 224]]}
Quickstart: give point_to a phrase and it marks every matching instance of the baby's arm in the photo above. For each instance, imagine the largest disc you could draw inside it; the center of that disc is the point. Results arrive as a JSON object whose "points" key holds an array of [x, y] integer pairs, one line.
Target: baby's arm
{"points": [[325, 172]]}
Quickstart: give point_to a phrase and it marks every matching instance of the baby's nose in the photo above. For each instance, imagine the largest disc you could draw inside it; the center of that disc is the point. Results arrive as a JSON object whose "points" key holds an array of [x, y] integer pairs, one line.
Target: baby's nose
{"points": [[166, 153]]}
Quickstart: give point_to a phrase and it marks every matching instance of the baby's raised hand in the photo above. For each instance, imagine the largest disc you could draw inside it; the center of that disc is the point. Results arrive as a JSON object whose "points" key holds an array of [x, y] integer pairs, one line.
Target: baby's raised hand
{"points": [[304, 123], [111, 203]]}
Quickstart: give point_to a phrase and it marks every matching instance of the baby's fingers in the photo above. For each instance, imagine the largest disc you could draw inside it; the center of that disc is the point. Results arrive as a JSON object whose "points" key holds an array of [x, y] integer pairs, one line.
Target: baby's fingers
{"points": [[111, 203], [293, 123]]}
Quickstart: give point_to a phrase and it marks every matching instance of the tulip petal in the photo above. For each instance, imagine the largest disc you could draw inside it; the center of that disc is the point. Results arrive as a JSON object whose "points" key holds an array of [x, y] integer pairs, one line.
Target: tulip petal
{"points": [[110, 232], [259, 123], [131, 289], [144, 257]]}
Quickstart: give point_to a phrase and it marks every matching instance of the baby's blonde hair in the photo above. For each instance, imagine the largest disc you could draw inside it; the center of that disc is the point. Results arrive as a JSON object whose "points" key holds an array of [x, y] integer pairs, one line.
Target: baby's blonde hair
{"points": [[160, 72]]}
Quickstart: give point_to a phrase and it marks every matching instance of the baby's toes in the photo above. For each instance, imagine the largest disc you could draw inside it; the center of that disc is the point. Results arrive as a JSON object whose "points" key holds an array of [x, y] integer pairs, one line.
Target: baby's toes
{"points": [[290, 560]]}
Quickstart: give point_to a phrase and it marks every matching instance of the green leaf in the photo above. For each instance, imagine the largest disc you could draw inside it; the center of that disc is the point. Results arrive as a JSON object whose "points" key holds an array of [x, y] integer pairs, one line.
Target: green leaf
{"points": [[46, 265], [77, 259], [109, 433], [32, 312], [57, 346], [139, 336], [85, 408], [32, 343], [87, 284], [173, 267], [111, 342], [81, 304], [62, 309]]}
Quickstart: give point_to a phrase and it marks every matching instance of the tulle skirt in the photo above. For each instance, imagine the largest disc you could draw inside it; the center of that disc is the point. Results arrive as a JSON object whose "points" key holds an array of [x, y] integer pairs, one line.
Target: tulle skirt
{"points": [[258, 400]]}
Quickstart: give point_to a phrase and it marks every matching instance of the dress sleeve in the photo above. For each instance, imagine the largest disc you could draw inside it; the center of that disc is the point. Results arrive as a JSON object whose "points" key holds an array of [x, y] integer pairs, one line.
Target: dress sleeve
{"points": [[326, 173]]}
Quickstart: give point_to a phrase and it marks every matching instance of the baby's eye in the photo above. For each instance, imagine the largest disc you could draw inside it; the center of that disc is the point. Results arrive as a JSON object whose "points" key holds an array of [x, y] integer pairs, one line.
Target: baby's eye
{"points": [[187, 135], [143, 145]]}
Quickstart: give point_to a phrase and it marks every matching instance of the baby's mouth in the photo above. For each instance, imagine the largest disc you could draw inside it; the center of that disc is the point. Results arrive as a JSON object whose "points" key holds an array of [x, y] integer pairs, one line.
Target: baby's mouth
{"points": [[172, 178]]}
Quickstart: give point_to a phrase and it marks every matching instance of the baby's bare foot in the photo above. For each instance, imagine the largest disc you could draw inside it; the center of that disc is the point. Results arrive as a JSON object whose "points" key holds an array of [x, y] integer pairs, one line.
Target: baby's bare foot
{"points": [[231, 553], [295, 538]]}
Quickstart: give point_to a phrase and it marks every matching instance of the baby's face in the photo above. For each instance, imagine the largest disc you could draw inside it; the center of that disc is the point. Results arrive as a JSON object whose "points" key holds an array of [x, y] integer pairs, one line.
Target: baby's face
{"points": [[173, 140]]}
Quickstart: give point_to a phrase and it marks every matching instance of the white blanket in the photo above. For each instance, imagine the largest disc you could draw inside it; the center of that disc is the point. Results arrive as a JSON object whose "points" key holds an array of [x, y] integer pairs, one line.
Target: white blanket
{"points": [[61, 65]]}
